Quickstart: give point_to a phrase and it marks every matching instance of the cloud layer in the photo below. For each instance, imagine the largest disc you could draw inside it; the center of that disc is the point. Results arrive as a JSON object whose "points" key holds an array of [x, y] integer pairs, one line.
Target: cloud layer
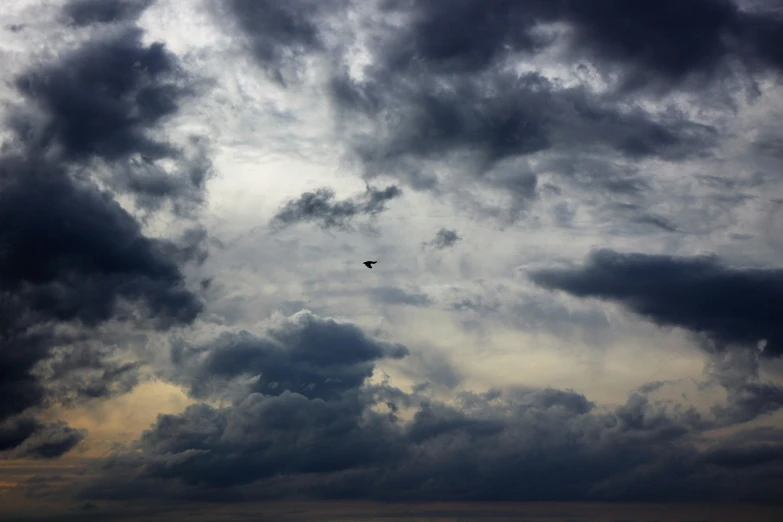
{"points": [[304, 419], [575, 211]]}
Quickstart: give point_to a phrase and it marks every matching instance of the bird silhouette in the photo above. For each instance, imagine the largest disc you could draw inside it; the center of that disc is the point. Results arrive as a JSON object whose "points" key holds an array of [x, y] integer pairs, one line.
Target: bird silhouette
{"points": [[369, 264]]}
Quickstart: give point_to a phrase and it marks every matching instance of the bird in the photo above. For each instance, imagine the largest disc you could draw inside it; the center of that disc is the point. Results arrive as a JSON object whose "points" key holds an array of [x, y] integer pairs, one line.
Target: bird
{"points": [[369, 264]]}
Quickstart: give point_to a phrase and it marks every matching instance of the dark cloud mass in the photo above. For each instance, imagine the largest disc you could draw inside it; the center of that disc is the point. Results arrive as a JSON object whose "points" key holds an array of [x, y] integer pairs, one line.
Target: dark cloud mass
{"points": [[49, 442], [73, 261], [445, 238], [307, 355], [439, 104], [311, 424], [653, 39], [441, 100], [94, 112], [280, 34], [730, 305], [88, 12], [320, 207]]}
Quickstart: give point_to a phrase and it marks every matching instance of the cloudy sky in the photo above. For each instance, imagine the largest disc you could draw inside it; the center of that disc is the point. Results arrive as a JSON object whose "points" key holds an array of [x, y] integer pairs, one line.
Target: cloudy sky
{"points": [[577, 211]]}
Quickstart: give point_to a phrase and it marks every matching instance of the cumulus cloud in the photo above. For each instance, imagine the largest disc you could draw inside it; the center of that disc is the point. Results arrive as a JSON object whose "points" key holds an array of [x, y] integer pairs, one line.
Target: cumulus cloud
{"points": [[308, 355]]}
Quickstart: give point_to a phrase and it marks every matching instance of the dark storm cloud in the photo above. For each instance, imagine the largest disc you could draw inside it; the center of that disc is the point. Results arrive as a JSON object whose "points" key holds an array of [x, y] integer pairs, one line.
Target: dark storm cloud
{"points": [[700, 294], [502, 116], [320, 207], [438, 80], [94, 111], [652, 40], [480, 130], [88, 12], [349, 441], [70, 254], [439, 96], [28, 438], [279, 34], [49, 442], [318, 358], [445, 238], [75, 266], [82, 256], [491, 447]]}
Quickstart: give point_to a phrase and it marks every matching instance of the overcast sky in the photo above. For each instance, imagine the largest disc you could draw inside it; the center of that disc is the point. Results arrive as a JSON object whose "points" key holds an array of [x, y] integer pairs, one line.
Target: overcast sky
{"points": [[576, 209]]}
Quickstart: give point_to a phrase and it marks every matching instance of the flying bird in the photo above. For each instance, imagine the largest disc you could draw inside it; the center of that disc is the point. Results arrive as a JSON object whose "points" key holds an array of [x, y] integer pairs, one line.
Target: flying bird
{"points": [[369, 264]]}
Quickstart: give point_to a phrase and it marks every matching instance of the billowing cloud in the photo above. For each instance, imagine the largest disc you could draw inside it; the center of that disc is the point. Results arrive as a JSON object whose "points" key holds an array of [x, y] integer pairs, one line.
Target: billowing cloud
{"points": [[318, 358], [73, 260], [320, 207], [349, 439], [93, 112], [730, 305]]}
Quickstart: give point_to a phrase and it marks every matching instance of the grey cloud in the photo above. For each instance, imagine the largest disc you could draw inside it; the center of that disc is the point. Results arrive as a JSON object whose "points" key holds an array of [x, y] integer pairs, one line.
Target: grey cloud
{"points": [[320, 207], [651, 39], [107, 113], [515, 449], [730, 305], [445, 238], [439, 106], [104, 111], [397, 296], [502, 116], [85, 254], [536, 312], [658, 221], [279, 34], [88, 12], [318, 358], [478, 131], [431, 369], [745, 457]]}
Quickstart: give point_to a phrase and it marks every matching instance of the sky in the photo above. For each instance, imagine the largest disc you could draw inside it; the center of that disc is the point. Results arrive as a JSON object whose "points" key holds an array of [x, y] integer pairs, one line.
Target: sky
{"points": [[576, 209]]}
